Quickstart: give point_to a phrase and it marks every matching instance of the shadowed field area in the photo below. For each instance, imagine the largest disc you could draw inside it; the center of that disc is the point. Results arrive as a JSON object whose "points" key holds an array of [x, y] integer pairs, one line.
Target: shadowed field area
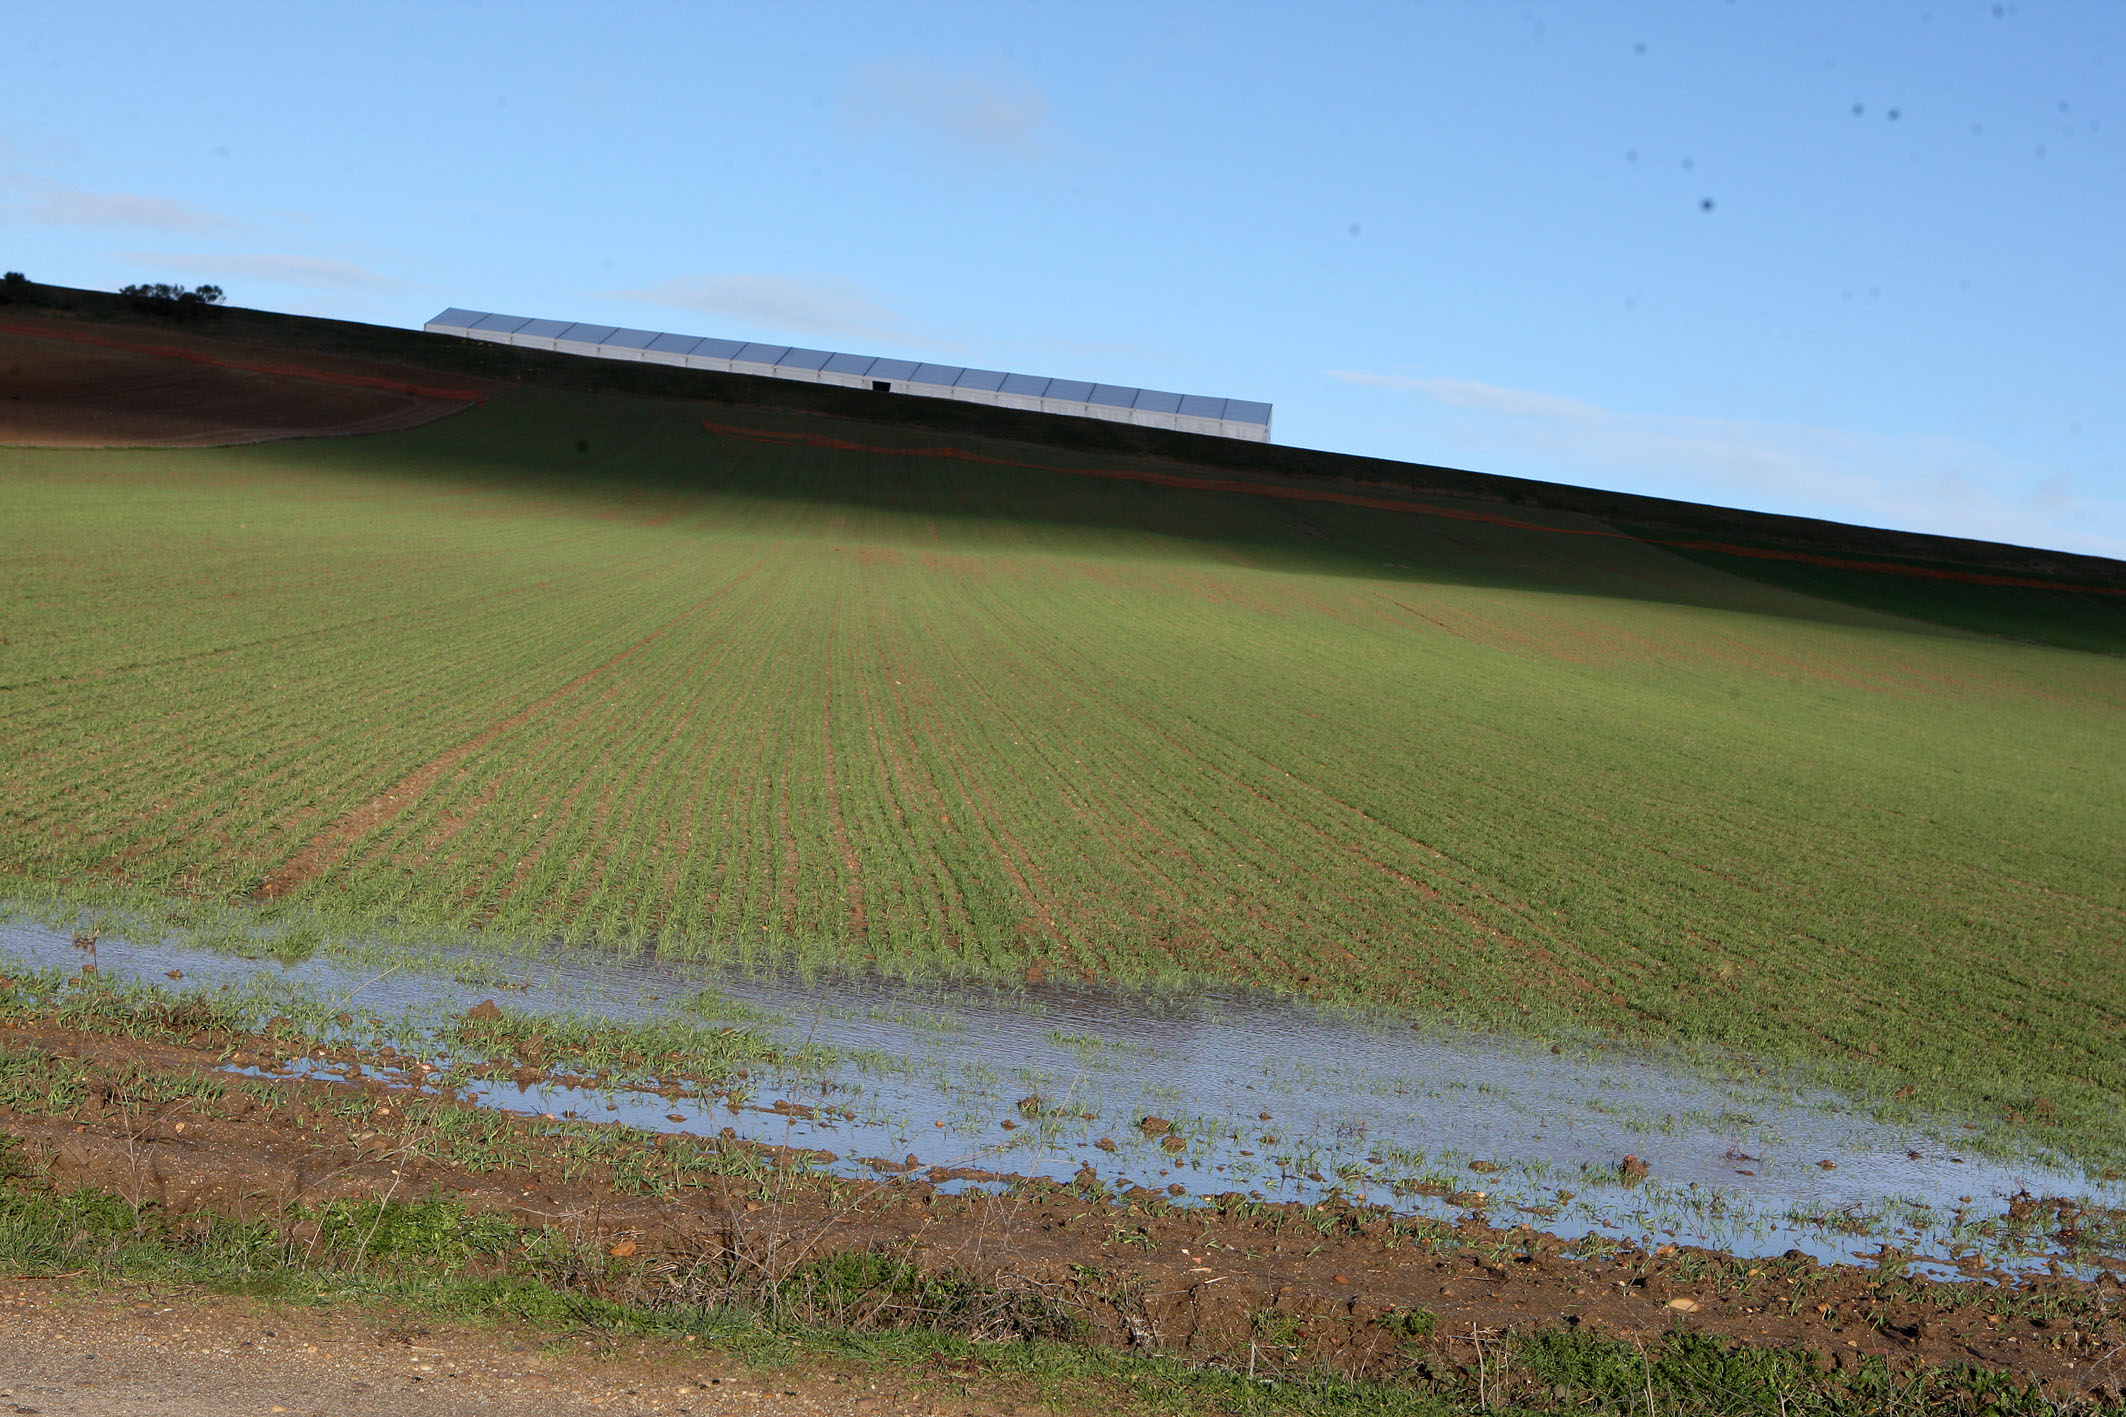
{"points": [[582, 666], [74, 387]]}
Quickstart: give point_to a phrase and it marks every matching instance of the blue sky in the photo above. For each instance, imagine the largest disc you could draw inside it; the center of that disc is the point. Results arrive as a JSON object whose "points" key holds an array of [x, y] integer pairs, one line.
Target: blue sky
{"points": [[1861, 261]]}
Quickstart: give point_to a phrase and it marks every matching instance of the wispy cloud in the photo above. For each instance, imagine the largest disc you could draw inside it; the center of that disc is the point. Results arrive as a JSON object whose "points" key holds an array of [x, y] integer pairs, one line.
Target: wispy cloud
{"points": [[1924, 484], [1468, 393], [278, 268], [35, 147], [44, 202], [827, 307], [989, 118]]}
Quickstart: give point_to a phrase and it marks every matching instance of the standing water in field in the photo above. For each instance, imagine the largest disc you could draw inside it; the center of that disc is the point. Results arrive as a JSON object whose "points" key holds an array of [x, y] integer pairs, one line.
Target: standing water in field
{"points": [[1256, 1095]]}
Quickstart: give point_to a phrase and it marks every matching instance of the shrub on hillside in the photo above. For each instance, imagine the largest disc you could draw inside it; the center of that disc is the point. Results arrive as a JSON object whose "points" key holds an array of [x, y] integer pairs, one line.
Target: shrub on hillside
{"points": [[175, 300], [14, 288]]}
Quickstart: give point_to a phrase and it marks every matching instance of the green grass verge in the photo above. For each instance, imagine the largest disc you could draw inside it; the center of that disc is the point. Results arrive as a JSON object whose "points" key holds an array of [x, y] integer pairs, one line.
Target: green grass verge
{"points": [[570, 667], [434, 1258]]}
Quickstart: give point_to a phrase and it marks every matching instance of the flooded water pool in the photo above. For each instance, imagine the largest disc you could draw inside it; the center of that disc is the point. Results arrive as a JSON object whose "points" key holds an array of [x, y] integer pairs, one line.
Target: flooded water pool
{"points": [[1268, 1098]]}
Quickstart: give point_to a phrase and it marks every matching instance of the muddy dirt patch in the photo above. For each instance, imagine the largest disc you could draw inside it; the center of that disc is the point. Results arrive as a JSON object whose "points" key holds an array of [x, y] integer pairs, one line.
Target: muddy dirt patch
{"points": [[1282, 1287]]}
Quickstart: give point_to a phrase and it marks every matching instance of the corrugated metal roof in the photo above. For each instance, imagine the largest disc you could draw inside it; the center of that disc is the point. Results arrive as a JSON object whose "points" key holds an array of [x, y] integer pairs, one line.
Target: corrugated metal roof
{"points": [[1150, 405], [808, 359]]}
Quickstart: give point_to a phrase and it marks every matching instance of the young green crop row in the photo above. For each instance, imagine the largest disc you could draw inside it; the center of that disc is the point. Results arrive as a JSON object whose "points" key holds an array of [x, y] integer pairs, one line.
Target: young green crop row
{"points": [[913, 713]]}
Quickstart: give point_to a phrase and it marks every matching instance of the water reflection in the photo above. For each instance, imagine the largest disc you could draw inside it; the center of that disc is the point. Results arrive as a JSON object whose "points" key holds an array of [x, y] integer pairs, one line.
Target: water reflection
{"points": [[1265, 1097]]}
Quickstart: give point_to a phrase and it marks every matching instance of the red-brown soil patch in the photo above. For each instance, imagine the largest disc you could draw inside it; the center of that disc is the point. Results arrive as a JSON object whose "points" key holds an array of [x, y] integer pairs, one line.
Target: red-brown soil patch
{"points": [[1404, 505], [65, 385], [320, 851], [1190, 1281]]}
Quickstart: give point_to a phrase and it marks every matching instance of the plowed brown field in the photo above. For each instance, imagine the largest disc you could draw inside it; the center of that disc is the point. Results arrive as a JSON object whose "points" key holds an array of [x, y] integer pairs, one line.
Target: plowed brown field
{"points": [[66, 386]]}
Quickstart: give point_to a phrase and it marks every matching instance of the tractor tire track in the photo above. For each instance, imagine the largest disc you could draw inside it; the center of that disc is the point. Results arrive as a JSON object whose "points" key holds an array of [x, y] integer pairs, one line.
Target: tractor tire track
{"points": [[314, 856]]}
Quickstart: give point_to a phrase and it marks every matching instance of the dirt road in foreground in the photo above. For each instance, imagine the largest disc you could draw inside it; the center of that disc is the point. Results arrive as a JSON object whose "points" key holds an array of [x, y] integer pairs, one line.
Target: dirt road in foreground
{"points": [[67, 1353]]}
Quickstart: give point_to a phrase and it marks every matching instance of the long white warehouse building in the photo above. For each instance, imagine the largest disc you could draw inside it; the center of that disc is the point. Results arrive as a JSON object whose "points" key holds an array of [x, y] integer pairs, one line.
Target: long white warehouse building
{"points": [[1149, 408]]}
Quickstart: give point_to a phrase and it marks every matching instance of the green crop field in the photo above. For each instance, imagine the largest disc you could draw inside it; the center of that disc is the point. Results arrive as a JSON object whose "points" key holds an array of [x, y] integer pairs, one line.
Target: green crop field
{"points": [[572, 666]]}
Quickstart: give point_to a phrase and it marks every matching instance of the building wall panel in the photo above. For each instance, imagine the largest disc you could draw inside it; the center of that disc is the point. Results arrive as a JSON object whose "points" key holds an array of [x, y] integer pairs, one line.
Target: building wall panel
{"points": [[1071, 398]]}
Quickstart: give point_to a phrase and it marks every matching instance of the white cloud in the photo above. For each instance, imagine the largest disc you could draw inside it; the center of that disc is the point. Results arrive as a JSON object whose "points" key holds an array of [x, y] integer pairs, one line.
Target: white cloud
{"points": [[1468, 393], [988, 118], [1923, 484], [278, 268], [43, 202], [830, 306]]}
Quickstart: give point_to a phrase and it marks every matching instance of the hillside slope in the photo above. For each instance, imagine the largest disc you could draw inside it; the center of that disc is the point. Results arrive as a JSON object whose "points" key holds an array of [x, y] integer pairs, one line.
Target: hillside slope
{"points": [[611, 667]]}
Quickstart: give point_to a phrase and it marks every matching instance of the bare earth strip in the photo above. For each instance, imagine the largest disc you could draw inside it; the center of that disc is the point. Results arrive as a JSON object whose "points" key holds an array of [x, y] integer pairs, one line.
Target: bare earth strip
{"points": [[1401, 504], [72, 1353], [66, 388], [317, 854]]}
